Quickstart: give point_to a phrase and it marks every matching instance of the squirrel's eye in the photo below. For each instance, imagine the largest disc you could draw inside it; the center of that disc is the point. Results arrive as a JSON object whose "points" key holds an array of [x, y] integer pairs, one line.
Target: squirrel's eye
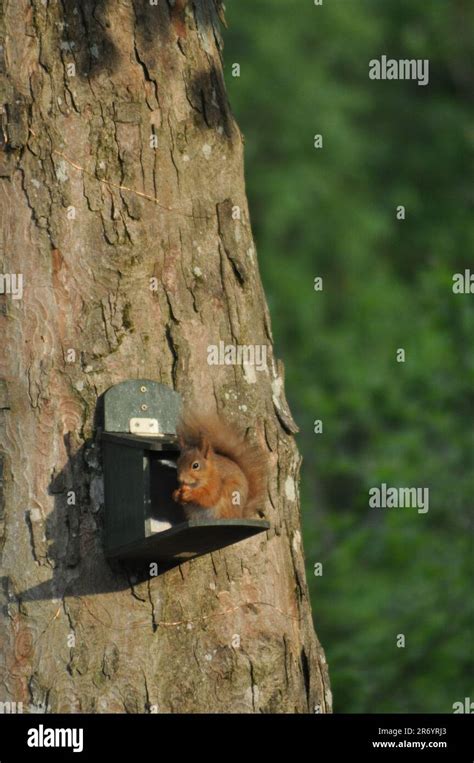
{"points": [[195, 465]]}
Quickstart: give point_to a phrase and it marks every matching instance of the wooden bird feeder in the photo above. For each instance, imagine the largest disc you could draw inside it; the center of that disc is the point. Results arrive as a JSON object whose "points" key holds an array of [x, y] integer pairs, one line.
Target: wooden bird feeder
{"points": [[140, 451]]}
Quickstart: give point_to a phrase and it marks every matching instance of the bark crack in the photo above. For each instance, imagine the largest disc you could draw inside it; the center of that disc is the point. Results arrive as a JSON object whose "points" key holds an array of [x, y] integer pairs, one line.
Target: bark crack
{"points": [[172, 148], [154, 623]]}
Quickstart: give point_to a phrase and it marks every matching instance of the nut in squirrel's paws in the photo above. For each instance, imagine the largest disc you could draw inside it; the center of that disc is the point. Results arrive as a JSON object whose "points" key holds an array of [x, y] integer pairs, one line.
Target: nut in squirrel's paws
{"points": [[183, 494]]}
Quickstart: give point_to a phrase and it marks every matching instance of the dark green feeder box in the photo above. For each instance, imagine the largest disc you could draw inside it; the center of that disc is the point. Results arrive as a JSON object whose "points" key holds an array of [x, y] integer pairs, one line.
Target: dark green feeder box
{"points": [[140, 451]]}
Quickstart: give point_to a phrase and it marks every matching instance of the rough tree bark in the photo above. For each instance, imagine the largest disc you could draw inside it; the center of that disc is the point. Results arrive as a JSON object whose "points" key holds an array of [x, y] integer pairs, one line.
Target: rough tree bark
{"points": [[91, 213]]}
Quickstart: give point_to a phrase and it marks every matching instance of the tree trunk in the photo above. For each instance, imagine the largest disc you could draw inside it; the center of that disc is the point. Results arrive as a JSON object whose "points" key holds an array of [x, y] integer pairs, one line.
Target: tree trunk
{"points": [[124, 212]]}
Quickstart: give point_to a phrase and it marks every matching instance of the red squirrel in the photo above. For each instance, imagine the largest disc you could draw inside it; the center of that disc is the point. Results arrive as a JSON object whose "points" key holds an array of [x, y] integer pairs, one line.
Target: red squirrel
{"points": [[220, 475]]}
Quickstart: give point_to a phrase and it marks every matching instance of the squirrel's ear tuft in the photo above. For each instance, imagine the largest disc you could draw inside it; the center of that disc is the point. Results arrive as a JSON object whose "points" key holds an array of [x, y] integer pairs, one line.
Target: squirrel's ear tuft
{"points": [[181, 442], [205, 446]]}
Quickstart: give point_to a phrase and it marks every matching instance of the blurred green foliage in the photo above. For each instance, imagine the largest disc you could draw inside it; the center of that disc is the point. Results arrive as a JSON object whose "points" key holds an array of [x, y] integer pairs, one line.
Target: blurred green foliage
{"points": [[331, 212]]}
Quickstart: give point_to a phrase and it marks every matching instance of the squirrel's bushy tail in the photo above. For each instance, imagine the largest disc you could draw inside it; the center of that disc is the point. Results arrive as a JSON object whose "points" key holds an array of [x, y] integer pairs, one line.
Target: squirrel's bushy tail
{"points": [[226, 440]]}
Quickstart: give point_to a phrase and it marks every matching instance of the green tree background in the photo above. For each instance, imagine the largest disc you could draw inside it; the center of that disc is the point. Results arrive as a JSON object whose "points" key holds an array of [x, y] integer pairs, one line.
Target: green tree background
{"points": [[331, 212]]}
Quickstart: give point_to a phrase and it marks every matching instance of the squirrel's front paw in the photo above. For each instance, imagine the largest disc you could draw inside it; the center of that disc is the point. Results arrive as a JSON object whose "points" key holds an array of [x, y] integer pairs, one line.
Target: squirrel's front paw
{"points": [[183, 494]]}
